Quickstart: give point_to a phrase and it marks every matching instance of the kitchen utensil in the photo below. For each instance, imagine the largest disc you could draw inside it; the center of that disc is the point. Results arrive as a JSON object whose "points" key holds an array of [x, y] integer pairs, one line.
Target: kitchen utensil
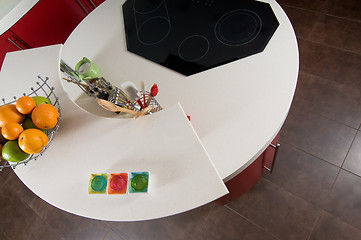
{"points": [[143, 91], [143, 112], [87, 69], [153, 92], [114, 108]]}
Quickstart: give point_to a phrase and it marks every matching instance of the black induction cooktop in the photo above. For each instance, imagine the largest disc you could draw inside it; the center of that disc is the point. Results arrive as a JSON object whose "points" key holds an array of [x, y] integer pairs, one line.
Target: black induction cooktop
{"points": [[191, 36]]}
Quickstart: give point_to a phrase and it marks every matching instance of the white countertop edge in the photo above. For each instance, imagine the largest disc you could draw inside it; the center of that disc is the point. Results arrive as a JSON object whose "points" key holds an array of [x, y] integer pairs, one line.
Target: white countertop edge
{"points": [[275, 5], [248, 163], [16, 14]]}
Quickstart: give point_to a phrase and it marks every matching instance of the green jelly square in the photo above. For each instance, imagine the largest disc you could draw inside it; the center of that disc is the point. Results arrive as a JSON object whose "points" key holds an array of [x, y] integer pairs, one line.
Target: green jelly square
{"points": [[138, 182], [98, 183]]}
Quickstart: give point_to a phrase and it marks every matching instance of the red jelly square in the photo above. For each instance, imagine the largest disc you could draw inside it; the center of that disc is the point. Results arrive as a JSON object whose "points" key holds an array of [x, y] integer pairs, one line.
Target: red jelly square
{"points": [[118, 183]]}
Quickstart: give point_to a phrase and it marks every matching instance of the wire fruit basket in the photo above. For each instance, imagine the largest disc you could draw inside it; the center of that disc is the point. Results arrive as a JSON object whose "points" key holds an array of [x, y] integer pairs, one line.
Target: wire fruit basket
{"points": [[42, 89]]}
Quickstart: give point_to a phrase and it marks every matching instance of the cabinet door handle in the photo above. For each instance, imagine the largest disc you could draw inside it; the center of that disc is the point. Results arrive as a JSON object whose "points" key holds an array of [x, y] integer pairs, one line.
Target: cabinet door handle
{"points": [[94, 6], [17, 45], [82, 5], [276, 147]]}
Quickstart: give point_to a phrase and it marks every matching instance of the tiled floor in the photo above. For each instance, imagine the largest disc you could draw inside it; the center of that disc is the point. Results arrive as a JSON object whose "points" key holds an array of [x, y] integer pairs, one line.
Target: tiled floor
{"points": [[315, 189]]}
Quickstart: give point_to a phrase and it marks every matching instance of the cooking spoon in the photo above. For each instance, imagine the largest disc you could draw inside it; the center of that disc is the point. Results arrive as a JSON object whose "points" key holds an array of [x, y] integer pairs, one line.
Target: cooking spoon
{"points": [[143, 112], [114, 108]]}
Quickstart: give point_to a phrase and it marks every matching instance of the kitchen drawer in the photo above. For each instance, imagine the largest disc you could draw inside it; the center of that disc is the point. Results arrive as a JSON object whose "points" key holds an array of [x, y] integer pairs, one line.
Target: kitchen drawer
{"points": [[10, 42], [49, 22]]}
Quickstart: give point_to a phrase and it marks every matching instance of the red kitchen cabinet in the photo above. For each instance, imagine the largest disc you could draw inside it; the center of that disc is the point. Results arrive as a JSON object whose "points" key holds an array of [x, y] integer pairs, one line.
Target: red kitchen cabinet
{"points": [[92, 3], [49, 22], [249, 177], [10, 42], [89, 5], [97, 2]]}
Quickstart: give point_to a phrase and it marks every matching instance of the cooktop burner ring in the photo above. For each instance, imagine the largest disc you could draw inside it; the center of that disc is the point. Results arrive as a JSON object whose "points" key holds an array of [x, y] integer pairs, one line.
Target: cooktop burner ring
{"points": [[147, 35], [146, 6], [238, 27], [193, 48]]}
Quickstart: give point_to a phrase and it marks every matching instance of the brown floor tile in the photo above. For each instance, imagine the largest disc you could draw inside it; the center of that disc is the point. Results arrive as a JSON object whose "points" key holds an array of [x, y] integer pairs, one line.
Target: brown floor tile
{"points": [[303, 174], [344, 199], [40, 230], [350, 9], [330, 63], [159, 229], [19, 221], [5, 174], [317, 135], [42, 208], [314, 5], [223, 223], [331, 99], [39, 206], [71, 226], [302, 21], [353, 159], [62, 223], [111, 235], [3, 235], [193, 221], [330, 227], [13, 182], [338, 32], [277, 211]]}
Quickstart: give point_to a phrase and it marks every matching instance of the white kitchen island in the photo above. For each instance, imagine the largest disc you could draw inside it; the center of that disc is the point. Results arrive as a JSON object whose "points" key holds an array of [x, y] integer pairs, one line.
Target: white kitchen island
{"points": [[236, 110]]}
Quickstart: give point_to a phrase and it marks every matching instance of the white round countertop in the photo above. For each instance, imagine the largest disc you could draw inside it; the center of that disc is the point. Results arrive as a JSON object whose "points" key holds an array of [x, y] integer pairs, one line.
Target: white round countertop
{"points": [[236, 110]]}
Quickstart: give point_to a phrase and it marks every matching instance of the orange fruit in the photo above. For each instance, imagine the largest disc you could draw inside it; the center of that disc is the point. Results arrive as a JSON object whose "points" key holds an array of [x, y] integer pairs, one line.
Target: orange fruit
{"points": [[45, 116], [25, 104], [11, 131], [9, 113], [32, 141]]}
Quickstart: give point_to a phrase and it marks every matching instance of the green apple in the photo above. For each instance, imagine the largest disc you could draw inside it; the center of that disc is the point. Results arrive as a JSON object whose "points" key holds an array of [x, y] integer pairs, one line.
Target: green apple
{"points": [[41, 100], [28, 123], [11, 152]]}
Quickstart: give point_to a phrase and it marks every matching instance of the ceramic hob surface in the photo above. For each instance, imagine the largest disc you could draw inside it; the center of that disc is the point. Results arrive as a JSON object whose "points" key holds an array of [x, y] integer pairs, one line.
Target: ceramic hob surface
{"points": [[190, 36]]}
